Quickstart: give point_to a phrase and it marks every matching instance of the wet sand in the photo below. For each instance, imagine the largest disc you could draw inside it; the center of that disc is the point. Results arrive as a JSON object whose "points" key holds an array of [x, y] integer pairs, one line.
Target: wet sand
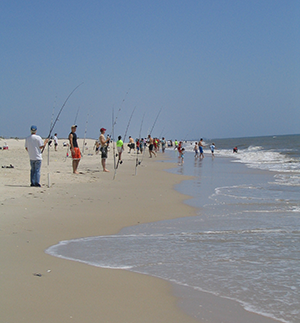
{"points": [[36, 287]]}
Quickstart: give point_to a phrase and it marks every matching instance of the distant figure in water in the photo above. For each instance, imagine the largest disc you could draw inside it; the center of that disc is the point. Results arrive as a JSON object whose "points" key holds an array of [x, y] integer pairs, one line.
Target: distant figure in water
{"points": [[235, 149], [212, 149], [201, 145], [182, 156], [196, 150]]}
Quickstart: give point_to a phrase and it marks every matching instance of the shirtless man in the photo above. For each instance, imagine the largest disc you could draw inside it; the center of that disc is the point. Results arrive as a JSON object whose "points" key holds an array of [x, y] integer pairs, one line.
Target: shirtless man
{"points": [[151, 151], [75, 151], [131, 144], [104, 144], [201, 145]]}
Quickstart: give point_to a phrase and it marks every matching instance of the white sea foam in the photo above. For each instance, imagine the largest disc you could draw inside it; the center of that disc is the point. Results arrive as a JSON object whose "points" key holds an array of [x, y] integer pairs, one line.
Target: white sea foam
{"points": [[244, 245], [259, 158]]}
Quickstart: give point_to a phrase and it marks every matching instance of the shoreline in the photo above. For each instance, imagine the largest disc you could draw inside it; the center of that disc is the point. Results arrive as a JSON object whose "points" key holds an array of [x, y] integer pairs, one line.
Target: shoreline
{"points": [[39, 287], [47, 288]]}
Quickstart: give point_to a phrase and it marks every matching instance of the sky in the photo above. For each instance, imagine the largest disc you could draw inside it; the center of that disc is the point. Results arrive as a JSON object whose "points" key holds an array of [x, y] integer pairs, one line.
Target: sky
{"points": [[190, 68]]}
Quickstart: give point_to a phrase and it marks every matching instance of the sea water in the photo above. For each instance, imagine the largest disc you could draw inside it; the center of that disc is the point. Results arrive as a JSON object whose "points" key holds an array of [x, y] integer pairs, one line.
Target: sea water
{"points": [[244, 243]]}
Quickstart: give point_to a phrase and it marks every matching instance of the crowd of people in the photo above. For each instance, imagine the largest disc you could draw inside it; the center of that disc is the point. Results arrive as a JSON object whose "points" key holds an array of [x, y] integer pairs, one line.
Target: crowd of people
{"points": [[35, 146]]}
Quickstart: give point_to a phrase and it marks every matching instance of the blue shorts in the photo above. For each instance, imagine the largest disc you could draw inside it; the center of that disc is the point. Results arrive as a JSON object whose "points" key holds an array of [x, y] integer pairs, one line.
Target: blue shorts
{"points": [[201, 150]]}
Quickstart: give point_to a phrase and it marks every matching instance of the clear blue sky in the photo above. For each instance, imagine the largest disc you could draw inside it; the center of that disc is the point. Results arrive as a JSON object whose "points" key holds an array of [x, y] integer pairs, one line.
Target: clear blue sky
{"points": [[216, 68]]}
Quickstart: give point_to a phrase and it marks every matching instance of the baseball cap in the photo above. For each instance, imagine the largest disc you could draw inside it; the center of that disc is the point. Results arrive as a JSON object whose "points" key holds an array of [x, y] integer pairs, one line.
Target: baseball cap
{"points": [[33, 128], [102, 129], [74, 126]]}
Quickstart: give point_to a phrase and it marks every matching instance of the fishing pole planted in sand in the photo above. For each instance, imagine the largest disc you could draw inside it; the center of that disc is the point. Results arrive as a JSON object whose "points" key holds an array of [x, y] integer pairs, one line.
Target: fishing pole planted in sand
{"points": [[137, 162], [54, 123], [85, 131], [116, 165], [155, 122]]}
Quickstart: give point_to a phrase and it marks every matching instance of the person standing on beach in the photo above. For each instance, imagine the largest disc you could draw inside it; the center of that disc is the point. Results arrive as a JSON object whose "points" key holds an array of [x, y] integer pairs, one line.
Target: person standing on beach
{"points": [[120, 148], [212, 149], [175, 144], [75, 151], [163, 144], [201, 145], [196, 150], [131, 144], [142, 145], [34, 144], [181, 158], [104, 145], [150, 141], [55, 141]]}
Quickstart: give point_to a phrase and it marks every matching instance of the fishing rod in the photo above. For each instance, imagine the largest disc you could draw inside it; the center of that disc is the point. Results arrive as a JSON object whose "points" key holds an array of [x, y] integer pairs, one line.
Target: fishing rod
{"points": [[76, 116], [124, 138], [117, 164], [85, 130], [54, 123], [149, 133], [140, 162], [53, 112], [137, 158], [155, 122], [48, 159], [161, 132], [115, 120], [184, 139], [114, 146]]}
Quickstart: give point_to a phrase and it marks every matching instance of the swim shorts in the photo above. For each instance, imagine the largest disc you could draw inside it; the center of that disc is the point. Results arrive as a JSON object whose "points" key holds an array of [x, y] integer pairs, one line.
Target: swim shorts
{"points": [[103, 152], [151, 147], [76, 154]]}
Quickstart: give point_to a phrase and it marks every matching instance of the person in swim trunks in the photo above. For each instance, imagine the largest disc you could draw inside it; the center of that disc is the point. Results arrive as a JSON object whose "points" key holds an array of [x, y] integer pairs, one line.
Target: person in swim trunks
{"points": [[151, 151], [104, 145], [201, 145], [75, 151]]}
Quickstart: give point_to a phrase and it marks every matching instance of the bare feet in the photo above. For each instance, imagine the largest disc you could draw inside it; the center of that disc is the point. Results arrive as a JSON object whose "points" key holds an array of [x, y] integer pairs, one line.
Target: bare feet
{"points": [[106, 170], [75, 172]]}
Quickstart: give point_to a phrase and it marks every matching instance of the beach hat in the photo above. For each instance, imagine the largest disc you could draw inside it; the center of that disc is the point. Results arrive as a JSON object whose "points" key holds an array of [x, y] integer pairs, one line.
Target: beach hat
{"points": [[33, 128], [102, 129]]}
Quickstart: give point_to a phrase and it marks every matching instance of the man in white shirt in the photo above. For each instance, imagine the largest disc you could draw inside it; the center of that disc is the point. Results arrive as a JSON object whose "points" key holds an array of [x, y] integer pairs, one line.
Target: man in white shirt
{"points": [[34, 144]]}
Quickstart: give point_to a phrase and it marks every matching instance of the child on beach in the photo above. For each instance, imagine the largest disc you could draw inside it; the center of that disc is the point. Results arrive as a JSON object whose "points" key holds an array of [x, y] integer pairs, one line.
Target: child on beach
{"points": [[181, 161], [196, 150]]}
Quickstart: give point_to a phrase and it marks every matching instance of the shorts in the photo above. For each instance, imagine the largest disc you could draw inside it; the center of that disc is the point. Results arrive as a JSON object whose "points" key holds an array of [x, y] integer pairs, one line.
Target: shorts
{"points": [[151, 147], [76, 154], [201, 150], [119, 149], [103, 152]]}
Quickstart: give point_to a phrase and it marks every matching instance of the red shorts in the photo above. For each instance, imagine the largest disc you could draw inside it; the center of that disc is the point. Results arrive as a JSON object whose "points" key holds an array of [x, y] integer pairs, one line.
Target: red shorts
{"points": [[76, 154]]}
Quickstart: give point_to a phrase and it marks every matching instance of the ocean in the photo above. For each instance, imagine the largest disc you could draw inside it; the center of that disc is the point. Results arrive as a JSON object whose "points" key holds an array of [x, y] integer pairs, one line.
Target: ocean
{"points": [[244, 243]]}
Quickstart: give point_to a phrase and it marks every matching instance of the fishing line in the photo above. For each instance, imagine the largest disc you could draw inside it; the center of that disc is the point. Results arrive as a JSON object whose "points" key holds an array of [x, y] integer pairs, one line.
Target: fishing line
{"points": [[154, 122], [85, 131], [54, 123]]}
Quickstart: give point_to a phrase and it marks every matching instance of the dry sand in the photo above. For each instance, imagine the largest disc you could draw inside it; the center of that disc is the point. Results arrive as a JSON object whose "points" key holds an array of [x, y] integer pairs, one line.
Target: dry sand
{"points": [[36, 287], [87, 204]]}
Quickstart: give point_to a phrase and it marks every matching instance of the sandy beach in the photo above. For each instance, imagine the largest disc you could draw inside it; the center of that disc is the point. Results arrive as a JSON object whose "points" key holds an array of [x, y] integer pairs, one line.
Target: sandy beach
{"points": [[36, 287], [39, 288]]}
